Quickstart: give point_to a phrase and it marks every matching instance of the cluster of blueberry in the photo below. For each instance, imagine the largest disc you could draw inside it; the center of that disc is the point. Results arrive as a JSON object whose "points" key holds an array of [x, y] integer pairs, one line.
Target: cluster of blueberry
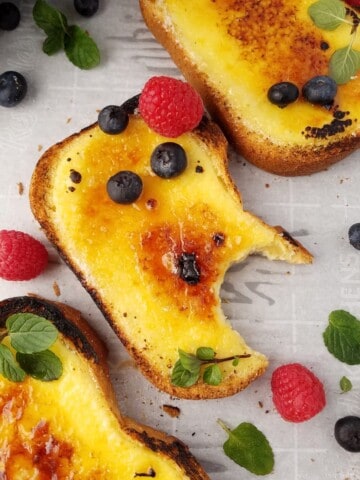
{"points": [[13, 85], [320, 90], [167, 160]]}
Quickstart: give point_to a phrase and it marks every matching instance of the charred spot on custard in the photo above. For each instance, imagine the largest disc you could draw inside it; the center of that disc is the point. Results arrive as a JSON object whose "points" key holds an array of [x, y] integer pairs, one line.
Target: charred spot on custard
{"points": [[75, 176], [51, 457], [164, 251]]}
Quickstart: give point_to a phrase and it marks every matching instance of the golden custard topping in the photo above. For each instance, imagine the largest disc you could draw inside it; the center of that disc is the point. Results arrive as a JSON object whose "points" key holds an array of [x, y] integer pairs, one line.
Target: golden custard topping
{"points": [[260, 44], [129, 257]]}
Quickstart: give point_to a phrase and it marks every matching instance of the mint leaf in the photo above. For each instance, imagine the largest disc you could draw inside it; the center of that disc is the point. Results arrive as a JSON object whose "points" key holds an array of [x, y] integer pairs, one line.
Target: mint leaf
{"points": [[45, 365], [205, 353], [49, 18], [236, 361], [54, 42], [212, 375], [342, 337], [344, 63], [30, 333], [345, 384], [249, 448], [81, 49], [189, 361], [327, 14], [8, 366], [181, 377]]}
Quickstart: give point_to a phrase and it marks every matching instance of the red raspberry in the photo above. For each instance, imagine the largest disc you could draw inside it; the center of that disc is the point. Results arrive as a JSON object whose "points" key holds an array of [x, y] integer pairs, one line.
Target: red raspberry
{"points": [[297, 393], [353, 3], [22, 257], [169, 106]]}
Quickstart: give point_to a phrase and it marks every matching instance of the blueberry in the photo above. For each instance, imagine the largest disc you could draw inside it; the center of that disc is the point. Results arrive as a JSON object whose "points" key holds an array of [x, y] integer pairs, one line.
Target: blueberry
{"points": [[9, 16], [13, 88], [347, 433], [283, 93], [86, 8], [168, 160], [132, 104], [113, 119], [354, 235], [124, 187], [320, 90]]}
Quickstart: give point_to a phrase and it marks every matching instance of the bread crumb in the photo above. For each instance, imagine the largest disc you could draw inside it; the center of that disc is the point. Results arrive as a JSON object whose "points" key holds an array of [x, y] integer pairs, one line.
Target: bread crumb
{"points": [[171, 410], [40, 147], [68, 120], [267, 185], [56, 289], [20, 188]]}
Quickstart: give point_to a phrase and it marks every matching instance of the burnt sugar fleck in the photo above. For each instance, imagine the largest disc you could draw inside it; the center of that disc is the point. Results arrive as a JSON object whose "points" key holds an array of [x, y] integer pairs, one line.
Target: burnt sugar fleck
{"points": [[75, 176], [338, 124]]}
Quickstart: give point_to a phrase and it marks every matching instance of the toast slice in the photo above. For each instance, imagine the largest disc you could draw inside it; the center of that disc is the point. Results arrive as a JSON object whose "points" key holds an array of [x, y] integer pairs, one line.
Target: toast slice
{"points": [[236, 51], [128, 256], [72, 427]]}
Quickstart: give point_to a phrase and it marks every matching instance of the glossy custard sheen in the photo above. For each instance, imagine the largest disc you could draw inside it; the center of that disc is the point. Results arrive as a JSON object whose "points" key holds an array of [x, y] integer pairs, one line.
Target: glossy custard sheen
{"points": [[65, 429], [259, 44], [128, 256]]}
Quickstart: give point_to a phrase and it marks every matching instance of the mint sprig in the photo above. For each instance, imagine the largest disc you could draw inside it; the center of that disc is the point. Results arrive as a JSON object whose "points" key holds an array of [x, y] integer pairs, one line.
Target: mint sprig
{"points": [[79, 47], [188, 368], [329, 15], [248, 447], [342, 337], [30, 336]]}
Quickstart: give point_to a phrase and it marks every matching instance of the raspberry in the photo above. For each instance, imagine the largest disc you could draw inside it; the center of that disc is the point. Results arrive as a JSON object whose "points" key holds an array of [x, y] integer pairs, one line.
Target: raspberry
{"points": [[170, 107], [353, 3], [298, 394], [22, 257]]}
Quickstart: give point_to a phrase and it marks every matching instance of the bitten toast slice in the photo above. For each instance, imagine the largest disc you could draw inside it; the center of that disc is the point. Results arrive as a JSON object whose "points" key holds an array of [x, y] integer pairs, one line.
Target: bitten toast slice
{"points": [[71, 428], [128, 257], [232, 52]]}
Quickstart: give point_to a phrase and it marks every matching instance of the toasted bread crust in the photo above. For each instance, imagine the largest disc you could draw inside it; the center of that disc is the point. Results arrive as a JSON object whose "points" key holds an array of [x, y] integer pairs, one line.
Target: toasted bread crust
{"points": [[78, 332], [279, 159]]}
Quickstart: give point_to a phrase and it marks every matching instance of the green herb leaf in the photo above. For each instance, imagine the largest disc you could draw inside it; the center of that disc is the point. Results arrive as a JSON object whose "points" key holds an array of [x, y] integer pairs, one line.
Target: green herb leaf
{"points": [[45, 366], [8, 366], [249, 448], [81, 49], [49, 18], [212, 375], [30, 333], [345, 384], [236, 361], [189, 361], [205, 353], [53, 43], [327, 14], [342, 337], [344, 63], [181, 377]]}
